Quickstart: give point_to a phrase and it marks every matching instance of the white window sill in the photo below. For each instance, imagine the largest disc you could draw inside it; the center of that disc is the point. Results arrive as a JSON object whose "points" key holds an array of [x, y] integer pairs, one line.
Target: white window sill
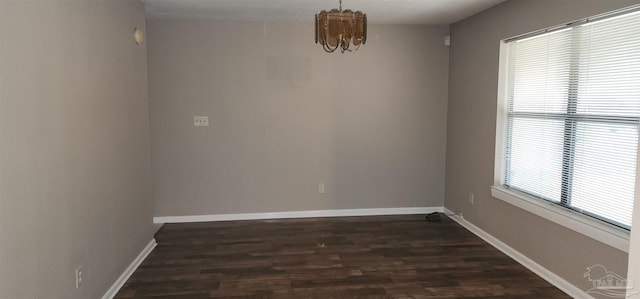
{"points": [[597, 230]]}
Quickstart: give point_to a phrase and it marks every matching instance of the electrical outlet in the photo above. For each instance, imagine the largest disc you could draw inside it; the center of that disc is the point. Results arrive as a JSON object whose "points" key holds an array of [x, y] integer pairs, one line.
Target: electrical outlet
{"points": [[200, 121], [471, 200], [80, 276], [321, 189]]}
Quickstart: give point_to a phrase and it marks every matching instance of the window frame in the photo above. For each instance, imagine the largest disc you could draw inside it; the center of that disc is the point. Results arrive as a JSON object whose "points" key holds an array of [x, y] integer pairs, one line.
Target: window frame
{"points": [[561, 213], [571, 119]]}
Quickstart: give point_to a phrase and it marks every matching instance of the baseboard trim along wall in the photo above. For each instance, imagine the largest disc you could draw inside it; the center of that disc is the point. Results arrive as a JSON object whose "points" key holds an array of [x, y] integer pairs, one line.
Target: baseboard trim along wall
{"points": [[113, 290], [536, 268], [298, 214]]}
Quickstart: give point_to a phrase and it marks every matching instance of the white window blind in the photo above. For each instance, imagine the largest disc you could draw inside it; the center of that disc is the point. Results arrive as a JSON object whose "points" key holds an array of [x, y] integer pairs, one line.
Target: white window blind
{"points": [[573, 114]]}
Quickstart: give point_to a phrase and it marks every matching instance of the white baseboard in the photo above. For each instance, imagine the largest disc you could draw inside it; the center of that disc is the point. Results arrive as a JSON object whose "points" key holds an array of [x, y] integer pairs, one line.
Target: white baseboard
{"points": [[536, 268], [113, 290], [298, 214]]}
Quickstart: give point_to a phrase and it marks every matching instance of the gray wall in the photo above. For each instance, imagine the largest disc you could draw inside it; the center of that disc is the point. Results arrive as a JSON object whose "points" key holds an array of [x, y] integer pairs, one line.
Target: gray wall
{"points": [[285, 116], [75, 182], [471, 137]]}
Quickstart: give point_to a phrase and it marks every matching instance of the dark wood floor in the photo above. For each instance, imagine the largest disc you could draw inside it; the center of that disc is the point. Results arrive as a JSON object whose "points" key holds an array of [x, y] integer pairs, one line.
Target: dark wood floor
{"points": [[350, 257]]}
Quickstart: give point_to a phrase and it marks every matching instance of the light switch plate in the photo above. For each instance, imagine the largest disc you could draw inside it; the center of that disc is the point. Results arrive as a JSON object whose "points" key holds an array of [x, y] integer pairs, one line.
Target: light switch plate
{"points": [[200, 121], [79, 276]]}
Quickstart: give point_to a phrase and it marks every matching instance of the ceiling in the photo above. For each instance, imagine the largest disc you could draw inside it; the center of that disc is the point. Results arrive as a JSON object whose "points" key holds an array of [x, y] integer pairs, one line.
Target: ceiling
{"points": [[429, 12]]}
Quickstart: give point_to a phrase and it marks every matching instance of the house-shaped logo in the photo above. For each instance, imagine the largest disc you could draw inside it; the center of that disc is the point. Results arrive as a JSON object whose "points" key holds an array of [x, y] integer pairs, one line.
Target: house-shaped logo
{"points": [[607, 283]]}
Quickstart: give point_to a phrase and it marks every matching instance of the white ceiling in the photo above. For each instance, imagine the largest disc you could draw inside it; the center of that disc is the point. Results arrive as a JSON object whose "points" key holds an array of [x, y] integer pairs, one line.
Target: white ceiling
{"points": [[378, 11]]}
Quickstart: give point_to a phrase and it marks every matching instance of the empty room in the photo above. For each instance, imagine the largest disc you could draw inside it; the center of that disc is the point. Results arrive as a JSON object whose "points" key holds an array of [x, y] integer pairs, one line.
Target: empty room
{"points": [[319, 149]]}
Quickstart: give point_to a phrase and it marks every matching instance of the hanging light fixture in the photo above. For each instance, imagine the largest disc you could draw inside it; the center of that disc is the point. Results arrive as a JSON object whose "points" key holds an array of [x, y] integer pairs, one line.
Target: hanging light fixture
{"points": [[343, 29]]}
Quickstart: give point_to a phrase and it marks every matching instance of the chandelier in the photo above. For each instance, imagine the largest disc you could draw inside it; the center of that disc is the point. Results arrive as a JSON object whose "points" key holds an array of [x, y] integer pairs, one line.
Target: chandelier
{"points": [[343, 29]]}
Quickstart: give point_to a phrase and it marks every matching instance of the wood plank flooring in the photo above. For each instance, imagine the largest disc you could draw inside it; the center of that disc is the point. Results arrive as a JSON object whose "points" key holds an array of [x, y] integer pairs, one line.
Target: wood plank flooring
{"points": [[348, 257]]}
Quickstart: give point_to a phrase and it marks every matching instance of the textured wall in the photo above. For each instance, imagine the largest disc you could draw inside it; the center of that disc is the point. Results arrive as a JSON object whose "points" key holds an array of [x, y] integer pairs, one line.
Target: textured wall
{"points": [[285, 116], [75, 181], [471, 133]]}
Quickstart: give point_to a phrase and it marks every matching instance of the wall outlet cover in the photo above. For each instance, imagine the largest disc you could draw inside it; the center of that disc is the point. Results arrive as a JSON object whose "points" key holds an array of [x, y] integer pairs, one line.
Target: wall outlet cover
{"points": [[200, 121]]}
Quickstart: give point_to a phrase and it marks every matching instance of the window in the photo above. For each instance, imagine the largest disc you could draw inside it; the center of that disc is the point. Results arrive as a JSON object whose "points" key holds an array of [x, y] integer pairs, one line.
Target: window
{"points": [[572, 116]]}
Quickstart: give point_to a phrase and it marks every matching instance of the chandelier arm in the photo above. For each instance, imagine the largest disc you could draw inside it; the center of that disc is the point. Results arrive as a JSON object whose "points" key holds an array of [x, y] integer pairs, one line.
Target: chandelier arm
{"points": [[347, 43], [325, 45], [328, 49]]}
